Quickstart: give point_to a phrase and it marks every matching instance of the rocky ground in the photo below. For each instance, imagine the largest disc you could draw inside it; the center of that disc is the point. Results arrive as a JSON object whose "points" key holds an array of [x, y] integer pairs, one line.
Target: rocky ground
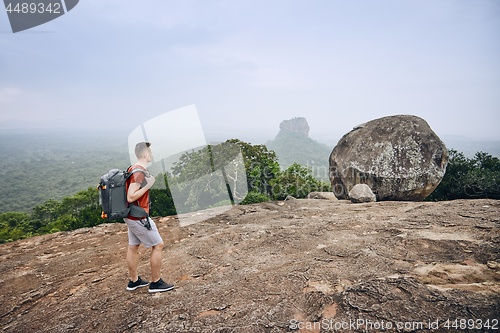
{"points": [[298, 265]]}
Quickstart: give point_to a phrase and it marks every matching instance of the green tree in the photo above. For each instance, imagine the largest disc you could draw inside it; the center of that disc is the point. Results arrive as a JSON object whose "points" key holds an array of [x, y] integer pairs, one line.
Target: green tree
{"points": [[297, 181], [162, 203], [78, 211], [261, 165], [205, 177], [466, 178], [14, 226], [201, 178], [44, 214]]}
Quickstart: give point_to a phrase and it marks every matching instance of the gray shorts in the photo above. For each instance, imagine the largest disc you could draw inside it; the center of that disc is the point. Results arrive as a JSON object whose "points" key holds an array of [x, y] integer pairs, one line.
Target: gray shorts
{"points": [[138, 234]]}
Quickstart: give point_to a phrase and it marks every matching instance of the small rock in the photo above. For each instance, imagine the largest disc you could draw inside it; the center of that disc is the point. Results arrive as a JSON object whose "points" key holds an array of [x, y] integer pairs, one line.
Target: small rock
{"points": [[361, 193], [322, 195]]}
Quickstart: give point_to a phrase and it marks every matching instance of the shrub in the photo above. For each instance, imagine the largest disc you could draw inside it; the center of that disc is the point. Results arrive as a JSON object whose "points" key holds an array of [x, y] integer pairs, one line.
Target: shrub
{"points": [[254, 197], [297, 181]]}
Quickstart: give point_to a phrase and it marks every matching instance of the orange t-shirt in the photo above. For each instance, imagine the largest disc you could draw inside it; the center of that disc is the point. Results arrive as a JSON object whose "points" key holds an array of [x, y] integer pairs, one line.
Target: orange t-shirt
{"points": [[140, 178]]}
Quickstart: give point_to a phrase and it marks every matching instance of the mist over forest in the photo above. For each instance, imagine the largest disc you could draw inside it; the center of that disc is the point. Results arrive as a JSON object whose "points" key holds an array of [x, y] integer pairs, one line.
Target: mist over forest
{"points": [[41, 165]]}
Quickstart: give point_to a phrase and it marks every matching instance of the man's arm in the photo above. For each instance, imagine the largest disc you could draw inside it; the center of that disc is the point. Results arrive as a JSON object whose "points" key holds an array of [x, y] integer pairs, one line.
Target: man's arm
{"points": [[135, 192]]}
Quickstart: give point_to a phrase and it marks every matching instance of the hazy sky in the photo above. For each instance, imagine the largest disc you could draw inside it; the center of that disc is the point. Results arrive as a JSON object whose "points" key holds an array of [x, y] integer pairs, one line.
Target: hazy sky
{"points": [[248, 65]]}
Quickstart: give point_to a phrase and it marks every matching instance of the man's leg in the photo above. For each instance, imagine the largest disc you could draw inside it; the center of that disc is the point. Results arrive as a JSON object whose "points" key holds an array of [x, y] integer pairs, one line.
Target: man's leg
{"points": [[133, 261], [156, 261]]}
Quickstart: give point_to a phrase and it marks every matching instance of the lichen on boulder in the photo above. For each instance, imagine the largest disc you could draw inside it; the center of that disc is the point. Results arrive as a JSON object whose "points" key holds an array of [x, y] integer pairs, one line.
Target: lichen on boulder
{"points": [[398, 157]]}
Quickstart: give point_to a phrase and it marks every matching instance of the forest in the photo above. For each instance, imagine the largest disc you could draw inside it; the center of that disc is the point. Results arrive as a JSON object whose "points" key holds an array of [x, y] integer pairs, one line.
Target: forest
{"points": [[60, 171], [43, 166]]}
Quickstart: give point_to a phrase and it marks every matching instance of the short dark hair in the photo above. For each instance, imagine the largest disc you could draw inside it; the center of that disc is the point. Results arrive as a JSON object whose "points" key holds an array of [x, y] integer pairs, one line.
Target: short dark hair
{"points": [[140, 147]]}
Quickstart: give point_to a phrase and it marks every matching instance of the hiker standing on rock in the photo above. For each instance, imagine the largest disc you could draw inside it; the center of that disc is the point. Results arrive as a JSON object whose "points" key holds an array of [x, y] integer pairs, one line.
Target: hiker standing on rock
{"points": [[143, 230]]}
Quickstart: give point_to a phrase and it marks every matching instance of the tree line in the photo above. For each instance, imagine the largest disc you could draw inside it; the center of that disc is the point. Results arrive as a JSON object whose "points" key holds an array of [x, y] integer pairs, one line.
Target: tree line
{"points": [[469, 178], [465, 178]]}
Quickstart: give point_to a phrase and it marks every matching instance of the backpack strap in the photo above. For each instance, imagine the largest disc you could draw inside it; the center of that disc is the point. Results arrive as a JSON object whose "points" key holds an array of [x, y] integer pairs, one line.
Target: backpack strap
{"points": [[135, 209], [137, 169], [134, 171]]}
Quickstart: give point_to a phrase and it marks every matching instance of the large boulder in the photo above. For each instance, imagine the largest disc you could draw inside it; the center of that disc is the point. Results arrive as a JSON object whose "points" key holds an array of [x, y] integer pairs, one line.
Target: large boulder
{"points": [[398, 157]]}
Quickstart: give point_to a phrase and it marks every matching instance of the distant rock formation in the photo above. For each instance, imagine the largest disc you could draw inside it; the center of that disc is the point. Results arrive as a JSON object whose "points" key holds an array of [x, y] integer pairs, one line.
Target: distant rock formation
{"points": [[398, 157], [293, 145], [296, 125]]}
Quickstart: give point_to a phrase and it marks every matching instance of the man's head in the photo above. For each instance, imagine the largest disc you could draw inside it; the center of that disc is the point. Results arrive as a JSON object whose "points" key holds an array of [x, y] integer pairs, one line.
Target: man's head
{"points": [[143, 150]]}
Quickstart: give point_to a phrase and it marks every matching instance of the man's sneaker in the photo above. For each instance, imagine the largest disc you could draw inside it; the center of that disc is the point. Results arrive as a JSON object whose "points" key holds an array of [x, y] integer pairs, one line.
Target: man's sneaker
{"points": [[159, 286], [139, 283]]}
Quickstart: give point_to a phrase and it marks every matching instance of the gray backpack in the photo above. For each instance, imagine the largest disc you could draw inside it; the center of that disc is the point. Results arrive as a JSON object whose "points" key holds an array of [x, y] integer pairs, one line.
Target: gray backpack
{"points": [[113, 196]]}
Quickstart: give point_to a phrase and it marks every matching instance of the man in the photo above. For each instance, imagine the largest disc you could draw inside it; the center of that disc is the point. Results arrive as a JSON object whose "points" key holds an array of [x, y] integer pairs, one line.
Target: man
{"points": [[143, 230]]}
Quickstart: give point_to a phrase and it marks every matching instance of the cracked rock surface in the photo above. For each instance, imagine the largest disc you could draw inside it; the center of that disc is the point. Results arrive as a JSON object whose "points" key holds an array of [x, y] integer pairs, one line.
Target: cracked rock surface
{"points": [[293, 266]]}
